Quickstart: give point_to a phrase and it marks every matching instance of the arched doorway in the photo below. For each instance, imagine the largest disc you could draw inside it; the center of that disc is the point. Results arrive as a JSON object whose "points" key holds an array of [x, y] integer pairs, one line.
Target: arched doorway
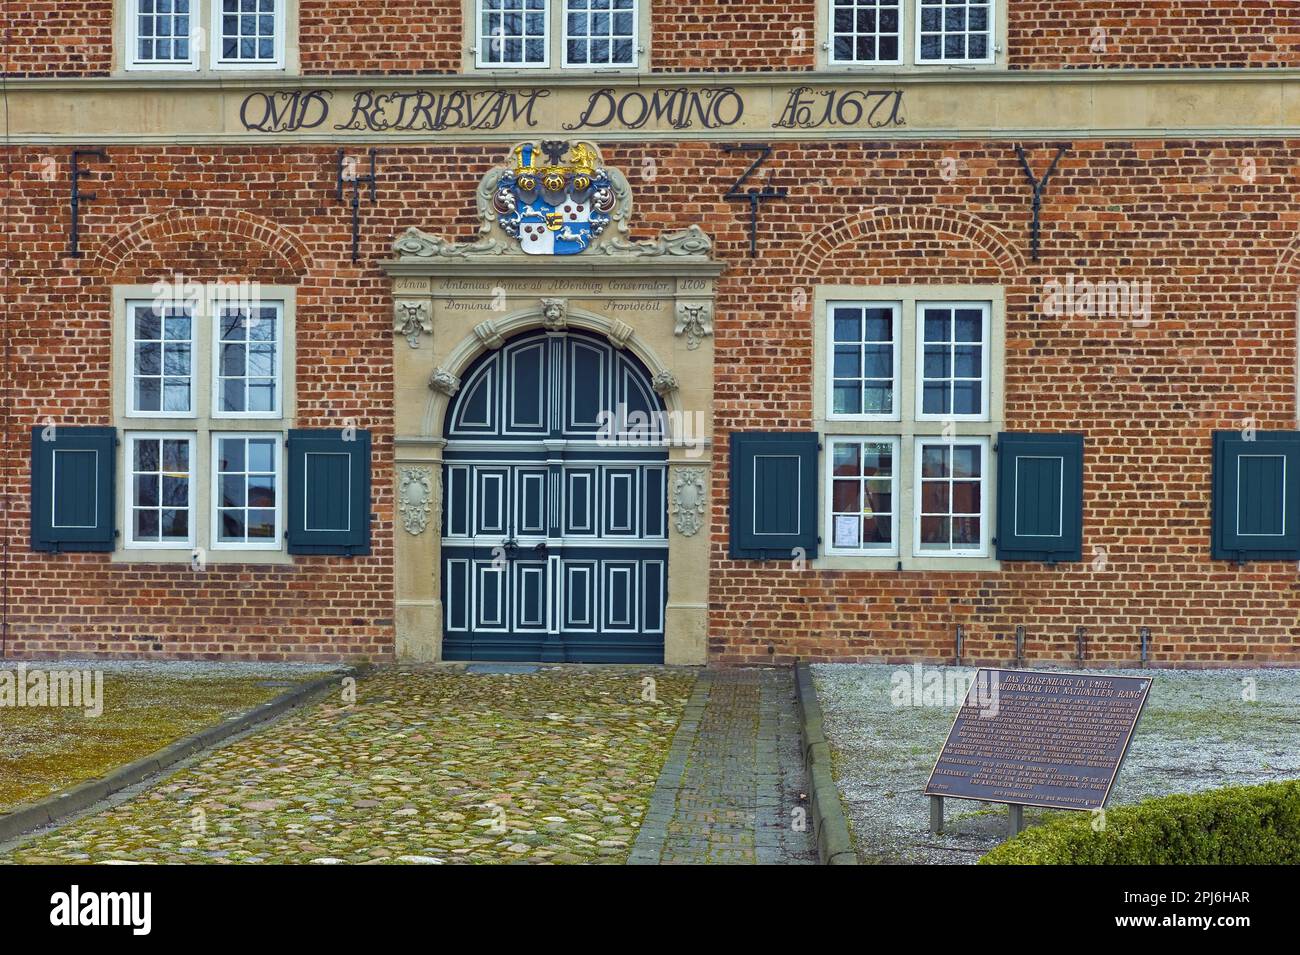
{"points": [[555, 543]]}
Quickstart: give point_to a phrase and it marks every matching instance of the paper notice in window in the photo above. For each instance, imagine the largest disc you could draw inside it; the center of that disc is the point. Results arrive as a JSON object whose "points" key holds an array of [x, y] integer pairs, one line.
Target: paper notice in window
{"points": [[846, 530]]}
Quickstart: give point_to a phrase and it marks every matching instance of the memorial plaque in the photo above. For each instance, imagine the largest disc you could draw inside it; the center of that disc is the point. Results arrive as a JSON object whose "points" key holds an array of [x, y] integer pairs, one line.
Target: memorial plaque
{"points": [[1038, 738]]}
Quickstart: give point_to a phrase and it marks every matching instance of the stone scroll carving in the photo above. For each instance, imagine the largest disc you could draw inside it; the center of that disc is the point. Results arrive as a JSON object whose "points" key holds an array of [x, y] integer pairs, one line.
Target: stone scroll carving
{"points": [[414, 497], [695, 321], [410, 318], [689, 499]]}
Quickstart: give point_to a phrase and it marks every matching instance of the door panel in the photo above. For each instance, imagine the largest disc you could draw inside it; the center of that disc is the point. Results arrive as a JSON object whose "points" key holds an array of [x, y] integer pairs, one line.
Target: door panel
{"points": [[555, 545]]}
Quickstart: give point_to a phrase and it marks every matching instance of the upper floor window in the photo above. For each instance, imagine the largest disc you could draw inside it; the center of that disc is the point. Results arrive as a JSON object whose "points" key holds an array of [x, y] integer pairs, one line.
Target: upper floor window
{"points": [[568, 34], [164, 33], [911, 32], [865, 31], [205, 34], [248, 32], [955, 31]]}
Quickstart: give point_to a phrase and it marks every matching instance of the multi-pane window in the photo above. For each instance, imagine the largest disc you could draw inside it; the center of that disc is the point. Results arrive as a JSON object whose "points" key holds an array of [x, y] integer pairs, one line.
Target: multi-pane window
{"points": [[865, 31], [199, 34], [600, 33], [953, 366], [863, 498], [162, 32], [248, 360], [513, 32], [950, 496], [161, 356], [247, 31], [246, 488], [212, 375], [864, 359], [160, 490], [911, 409], [954, 31]]}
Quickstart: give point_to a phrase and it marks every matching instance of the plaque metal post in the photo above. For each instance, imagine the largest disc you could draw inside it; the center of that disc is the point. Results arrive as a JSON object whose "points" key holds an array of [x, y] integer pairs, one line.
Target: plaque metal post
{"points": [[936, 815], [1015, 820], [961, 639], [1144, 637], [1020, 645]]}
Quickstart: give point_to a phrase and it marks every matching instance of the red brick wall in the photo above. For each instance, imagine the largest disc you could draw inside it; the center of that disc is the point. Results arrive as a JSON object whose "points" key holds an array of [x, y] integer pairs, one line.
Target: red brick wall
{"points": [[58, 38], [1220, 248], [1075, 34], [74, 37], [1221, 254], [720, 36], [396, 36]]}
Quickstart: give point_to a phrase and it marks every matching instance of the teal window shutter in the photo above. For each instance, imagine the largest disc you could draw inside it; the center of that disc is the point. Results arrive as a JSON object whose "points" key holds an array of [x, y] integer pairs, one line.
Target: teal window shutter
{"points": [[1040, 497], [73, 504], [1256, 493], [329, 492], [774, 492]]}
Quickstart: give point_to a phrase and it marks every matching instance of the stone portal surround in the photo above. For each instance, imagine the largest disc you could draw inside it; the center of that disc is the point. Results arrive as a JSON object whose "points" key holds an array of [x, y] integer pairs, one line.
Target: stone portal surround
{"points": [[448, 310]]}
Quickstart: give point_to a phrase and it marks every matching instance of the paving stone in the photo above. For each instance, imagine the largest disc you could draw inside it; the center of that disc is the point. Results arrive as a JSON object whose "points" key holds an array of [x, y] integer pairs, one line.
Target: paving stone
{"points": [[735, 786], [407, 774]]}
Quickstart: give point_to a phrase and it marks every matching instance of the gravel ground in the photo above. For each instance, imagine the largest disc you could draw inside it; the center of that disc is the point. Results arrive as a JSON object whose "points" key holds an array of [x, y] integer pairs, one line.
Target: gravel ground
{"points": [[428, 766], [1196, 733]]}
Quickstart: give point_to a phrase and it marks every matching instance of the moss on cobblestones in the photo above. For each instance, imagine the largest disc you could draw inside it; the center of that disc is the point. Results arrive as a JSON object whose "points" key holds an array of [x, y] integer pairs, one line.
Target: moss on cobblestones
{"points": [[46, 749], [427, 766]]}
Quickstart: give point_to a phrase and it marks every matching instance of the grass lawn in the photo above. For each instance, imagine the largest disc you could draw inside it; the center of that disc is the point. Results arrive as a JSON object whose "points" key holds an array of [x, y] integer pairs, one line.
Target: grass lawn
{"points": [[46, 749]]}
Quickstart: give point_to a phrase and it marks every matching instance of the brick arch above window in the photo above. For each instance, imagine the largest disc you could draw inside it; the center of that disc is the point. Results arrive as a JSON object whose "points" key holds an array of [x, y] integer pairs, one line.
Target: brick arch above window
{"points": [[880, 221], [1286, 274], [284, 254]]}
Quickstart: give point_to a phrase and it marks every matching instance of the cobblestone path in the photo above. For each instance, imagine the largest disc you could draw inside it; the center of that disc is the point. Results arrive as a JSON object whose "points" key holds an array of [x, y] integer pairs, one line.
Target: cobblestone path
{"points": [[733, 788], [428, 766]]}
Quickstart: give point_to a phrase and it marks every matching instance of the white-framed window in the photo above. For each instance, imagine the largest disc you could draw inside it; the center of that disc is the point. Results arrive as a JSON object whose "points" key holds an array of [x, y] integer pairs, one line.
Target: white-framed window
{"points": [[952, 361], [600, 33], [863, 360], [866, 31], [951, 512], [212, 365], [909, 398], [247, 34], [557, 35], [910, 33], [162, 34], [217, 35], [247, 490], [955, 31], [513, 33], [862, 495], [160, 489], [247, 366], [160, 360]]}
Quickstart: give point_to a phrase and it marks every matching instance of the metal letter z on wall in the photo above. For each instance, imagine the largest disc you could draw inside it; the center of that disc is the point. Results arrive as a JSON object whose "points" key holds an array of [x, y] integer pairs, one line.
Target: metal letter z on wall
{"points": [[753, 196]]}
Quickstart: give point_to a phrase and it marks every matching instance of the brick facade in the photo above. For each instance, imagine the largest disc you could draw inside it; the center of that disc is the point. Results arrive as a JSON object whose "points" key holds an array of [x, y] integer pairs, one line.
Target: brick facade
{"points": [[58, 38], [1212, 224]]}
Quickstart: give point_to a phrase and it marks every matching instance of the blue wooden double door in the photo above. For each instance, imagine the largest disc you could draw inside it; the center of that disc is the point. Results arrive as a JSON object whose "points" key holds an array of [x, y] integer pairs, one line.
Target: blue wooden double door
{"points": [[555, 543]]}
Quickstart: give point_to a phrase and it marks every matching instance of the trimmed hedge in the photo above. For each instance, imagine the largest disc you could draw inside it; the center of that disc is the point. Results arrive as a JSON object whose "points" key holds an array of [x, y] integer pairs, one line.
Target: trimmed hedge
{"points": [[1243, 825]]}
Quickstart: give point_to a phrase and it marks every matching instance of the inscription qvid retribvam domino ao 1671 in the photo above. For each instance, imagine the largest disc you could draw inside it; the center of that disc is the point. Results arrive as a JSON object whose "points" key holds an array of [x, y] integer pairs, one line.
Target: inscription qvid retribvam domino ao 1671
{"points": [[1038, 738], [607, 108]]}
